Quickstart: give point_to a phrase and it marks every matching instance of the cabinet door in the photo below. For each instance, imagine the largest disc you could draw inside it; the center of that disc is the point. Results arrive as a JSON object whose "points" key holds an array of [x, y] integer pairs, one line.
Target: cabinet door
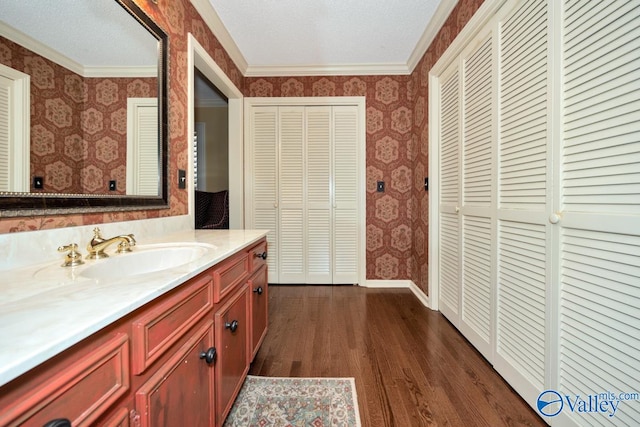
{"points": [[259, 308], [232, 342], [181, 392]]}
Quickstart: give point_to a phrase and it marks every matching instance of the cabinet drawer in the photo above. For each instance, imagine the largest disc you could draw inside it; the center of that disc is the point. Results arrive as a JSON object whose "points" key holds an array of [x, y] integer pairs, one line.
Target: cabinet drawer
{"points": [[80, 393], [258, 255], [229, 274], [164, 324]]}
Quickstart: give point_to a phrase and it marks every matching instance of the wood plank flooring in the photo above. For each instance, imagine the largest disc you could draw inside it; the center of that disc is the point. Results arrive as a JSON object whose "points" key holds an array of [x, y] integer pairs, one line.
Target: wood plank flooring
{"points": [[411, 366]]}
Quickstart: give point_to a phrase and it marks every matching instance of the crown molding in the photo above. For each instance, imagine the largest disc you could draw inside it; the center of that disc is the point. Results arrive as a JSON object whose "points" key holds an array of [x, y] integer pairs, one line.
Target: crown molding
{"points": [[41, 49], [120, 71], [53, 55], [327, 70], [213, 21], [435, 24]]}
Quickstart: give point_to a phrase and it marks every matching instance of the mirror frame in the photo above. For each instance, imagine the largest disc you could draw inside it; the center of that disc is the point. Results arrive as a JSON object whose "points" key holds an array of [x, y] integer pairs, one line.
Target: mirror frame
{"points": [[32, 204]]}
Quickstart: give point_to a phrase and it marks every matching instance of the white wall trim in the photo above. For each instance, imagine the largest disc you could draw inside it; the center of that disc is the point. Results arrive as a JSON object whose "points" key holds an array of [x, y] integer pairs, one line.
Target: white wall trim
{"points": [[327, 70], [435, 24], [218, 29], [400, 284], [198, 57]]}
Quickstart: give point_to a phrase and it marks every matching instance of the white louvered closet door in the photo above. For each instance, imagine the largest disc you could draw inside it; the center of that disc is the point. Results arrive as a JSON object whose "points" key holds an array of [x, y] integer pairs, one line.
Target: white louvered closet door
{"points": [[599, 206], [304, 186], [345, 197], [477, 196], [449, 206], [263, 179], [523, 240], [291, 171], [317, 179]]}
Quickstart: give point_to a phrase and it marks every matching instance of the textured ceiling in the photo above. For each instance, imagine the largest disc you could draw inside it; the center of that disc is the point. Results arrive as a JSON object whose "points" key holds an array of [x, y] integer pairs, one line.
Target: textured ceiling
{"points": [[91, 33], [324, 34]]}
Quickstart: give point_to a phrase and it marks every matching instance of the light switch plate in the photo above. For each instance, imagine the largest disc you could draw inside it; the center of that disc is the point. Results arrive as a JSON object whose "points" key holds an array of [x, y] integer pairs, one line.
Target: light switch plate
{"points": [[380, 187]]}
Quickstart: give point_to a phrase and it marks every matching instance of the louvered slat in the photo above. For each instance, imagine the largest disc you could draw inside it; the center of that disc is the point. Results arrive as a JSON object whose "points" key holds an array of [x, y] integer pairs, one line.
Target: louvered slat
{"points": [[523, 100], [346, 188], [264, 145], [5, 129], [449, 260], [148, 150], [602, 106], [476, 275], [450, 139], [291, 168], [600, 314], [521, 298], [477, 127]]}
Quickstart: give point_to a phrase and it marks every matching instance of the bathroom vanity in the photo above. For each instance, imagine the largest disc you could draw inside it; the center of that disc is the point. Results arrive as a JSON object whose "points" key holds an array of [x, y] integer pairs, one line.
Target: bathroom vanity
{"points": [[161, 347]]}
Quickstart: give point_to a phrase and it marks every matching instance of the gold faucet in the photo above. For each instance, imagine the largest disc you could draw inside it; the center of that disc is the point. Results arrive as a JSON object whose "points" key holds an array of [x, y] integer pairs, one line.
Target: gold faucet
{"points": [[98, 244]]}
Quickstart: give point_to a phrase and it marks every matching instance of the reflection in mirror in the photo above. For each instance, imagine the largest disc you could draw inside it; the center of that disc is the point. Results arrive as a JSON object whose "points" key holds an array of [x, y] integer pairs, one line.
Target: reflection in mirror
{"points": [[89, 131]]}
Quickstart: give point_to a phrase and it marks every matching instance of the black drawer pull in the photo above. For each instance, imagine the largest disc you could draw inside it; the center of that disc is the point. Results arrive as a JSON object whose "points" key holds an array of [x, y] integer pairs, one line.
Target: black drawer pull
{"points": [[209, 356], [232, 326], [258, 290], [263, 255]]}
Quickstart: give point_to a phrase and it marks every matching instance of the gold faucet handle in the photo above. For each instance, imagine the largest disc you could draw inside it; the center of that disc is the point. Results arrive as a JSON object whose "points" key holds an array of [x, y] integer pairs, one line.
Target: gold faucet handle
{"points": [[126, 243], [73, 258]]}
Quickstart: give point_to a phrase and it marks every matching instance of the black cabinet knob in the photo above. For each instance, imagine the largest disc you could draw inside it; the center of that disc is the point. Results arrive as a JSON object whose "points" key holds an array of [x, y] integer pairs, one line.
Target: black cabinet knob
{"points": [[263, 255], [232, 326], [209, 356], [258, 290], [59, 422]]}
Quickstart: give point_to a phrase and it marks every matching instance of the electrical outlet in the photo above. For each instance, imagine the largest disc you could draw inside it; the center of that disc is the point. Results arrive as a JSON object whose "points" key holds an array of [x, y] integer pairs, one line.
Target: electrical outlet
{"points": [[38, 182], [380, 187]]}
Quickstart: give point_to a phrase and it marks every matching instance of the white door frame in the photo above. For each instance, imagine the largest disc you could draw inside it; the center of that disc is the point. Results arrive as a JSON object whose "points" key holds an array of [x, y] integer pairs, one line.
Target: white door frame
{"points": [[360, 102], [198, 57]]}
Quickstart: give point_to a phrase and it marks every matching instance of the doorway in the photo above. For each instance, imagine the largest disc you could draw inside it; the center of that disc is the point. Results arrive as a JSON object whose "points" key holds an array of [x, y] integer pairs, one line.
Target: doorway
{"points": [[213, 81], [210, 155]]}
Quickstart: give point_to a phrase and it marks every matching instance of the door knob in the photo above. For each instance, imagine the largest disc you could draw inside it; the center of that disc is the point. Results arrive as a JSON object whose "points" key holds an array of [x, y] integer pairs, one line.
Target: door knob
{"points": [[555, 217]]}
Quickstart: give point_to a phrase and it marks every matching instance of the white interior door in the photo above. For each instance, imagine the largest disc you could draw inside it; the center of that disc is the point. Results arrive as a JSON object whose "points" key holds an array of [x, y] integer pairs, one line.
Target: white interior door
{"points": [[450, 196], [598, 205]]}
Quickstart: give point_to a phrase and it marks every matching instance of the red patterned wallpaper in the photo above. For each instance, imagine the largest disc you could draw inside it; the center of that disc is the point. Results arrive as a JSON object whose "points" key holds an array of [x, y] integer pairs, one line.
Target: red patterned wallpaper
{"points": [[397, 139], [78, 125]]}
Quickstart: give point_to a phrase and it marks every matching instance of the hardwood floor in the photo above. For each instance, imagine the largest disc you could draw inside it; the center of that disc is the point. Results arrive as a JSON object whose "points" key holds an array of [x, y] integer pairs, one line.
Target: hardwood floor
{"points": [[411, 366]]}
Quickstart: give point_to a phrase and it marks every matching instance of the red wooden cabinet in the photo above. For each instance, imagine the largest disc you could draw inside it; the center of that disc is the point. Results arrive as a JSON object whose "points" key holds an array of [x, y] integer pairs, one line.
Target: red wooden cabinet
{"points": [[179, 360], [232, 339], [180, 392], [259, 308]]}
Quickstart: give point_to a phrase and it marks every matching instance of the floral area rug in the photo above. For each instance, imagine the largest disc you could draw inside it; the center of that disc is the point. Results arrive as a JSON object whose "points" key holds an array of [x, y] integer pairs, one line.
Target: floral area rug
{"points": [[295, 402]]}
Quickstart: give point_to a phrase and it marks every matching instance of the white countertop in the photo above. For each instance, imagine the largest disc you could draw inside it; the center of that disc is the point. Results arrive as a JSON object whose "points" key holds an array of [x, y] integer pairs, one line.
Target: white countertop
{"points": [[43, 315]]}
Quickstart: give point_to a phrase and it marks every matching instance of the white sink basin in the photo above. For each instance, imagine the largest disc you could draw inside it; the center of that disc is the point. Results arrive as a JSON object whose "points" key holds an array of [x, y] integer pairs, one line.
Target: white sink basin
{"points": [[144, 260]]}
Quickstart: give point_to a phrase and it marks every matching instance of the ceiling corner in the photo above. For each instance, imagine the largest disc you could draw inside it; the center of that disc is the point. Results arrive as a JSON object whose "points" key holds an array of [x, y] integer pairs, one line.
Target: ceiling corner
{"points": [[213, 21], [435, 24]]}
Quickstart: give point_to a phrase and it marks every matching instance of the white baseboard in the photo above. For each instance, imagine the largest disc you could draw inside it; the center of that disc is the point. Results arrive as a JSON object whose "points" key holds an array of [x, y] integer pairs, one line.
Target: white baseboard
{"points": [[401, 284]]}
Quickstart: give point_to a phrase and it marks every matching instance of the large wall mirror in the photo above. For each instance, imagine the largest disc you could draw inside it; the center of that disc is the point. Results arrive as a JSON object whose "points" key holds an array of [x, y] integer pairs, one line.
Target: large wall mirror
{"points": [[83, 107]]}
